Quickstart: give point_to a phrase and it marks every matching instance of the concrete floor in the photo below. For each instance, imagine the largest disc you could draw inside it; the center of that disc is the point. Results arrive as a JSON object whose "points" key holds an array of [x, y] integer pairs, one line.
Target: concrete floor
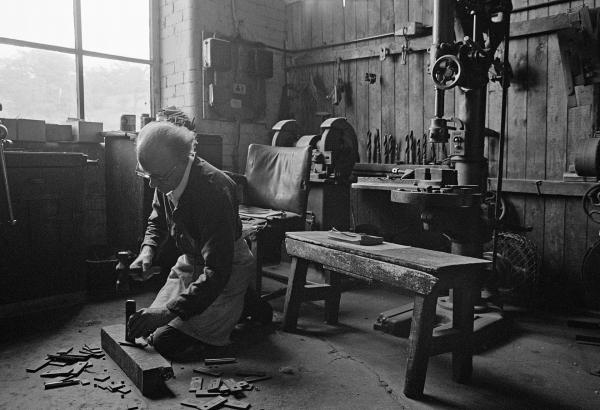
{"points": [[349, 366]]}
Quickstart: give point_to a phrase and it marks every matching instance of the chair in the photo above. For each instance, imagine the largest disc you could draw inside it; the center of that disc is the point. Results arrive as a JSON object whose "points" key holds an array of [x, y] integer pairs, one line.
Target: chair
{"points": [[273, 197]]}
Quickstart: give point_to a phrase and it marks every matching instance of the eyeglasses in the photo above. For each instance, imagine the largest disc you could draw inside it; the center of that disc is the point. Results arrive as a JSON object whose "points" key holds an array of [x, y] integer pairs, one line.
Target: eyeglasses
{"points": [[141, 173]]}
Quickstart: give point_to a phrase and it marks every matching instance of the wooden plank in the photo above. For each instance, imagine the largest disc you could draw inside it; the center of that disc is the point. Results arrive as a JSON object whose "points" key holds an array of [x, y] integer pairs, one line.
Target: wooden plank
{"points": [[401, 81], [574, 242], [349, 67], [528, 186], [537, 69], [339, 33], [388, 125], [145, 367], [556, 140], [423, 260], [554, 237], [362, 87], [517, 106], [415, 73], [367, 268], [374, 66]]}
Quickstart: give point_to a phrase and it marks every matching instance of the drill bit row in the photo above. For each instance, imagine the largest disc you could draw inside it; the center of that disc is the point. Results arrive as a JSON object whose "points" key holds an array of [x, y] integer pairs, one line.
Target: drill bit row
{"points": [[389, 151]]}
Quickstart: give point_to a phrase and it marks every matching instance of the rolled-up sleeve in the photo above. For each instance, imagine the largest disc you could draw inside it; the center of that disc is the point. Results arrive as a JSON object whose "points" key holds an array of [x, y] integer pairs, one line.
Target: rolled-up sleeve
{"points": [[217, 231]]}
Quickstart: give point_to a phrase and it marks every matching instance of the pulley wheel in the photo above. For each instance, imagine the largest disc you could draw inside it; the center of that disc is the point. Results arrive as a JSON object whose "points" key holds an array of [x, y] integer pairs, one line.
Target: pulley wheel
{"points": [[587, 161]]}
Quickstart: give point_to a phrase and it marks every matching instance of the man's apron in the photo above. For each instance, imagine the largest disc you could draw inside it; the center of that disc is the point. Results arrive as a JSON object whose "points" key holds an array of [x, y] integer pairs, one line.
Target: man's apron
{"points": [[214, 325]]}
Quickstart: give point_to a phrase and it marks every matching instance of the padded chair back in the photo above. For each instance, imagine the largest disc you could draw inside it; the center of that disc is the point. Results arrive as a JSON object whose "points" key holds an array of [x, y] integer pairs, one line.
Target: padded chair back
{"points": [[278, 177]]}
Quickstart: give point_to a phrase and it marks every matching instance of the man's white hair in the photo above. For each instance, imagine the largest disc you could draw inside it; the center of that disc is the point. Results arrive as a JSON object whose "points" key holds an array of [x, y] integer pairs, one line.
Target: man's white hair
{"points": [[165, 135]]}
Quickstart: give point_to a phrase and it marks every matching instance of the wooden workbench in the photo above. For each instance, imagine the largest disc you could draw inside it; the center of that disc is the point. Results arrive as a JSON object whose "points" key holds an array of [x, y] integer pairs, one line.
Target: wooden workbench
{"points": [[424, 272]]}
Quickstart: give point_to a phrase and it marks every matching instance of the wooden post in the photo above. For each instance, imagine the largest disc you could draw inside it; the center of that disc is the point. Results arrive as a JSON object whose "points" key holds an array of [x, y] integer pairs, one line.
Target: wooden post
{"points": [[332, 303], [419, 343], [462, 319], [293, 296]]}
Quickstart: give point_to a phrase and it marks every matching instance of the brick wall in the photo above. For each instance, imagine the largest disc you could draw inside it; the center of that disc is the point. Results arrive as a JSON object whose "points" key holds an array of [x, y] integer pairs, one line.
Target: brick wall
{"points": [[182, 23]]}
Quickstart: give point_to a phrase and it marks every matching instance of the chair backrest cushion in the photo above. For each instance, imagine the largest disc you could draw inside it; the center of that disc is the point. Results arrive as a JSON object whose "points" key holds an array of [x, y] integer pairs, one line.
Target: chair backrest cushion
{"points": [[278, 177]]}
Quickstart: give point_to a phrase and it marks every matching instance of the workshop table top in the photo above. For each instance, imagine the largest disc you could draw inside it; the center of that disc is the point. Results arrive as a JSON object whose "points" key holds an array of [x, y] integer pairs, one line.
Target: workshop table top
{"points": [[424, 260]]}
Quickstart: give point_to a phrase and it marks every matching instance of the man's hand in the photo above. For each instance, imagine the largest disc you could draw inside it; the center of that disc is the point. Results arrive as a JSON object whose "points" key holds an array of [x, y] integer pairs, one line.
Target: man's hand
{"points": [[143, 260], [145, 321]]}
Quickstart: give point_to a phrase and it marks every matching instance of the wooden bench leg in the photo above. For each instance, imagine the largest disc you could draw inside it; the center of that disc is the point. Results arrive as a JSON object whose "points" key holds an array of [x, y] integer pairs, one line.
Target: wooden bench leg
{"points": [[256, 250], [419, 341], [294, 293], [462, 319], [332, 303]]}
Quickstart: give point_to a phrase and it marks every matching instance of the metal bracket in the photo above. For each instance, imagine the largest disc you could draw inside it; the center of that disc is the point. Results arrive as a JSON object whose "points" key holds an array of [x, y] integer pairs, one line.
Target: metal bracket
{"points": [[383, 53]]}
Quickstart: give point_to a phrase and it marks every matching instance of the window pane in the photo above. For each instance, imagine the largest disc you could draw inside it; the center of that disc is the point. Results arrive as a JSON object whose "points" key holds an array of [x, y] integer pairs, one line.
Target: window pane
{"points": [[116, 27], [113, 88], [41, 21], [37, 84]]}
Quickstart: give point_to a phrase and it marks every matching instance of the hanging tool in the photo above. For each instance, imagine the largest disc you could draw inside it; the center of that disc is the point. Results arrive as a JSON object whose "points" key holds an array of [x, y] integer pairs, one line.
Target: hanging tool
{"points": [[338, 87], [407, 149], [377, 147], [386, 149], [424, 150], [4, 139], [413, 148], [392, 148], [419, 159], [398, 152], [369, 158]]}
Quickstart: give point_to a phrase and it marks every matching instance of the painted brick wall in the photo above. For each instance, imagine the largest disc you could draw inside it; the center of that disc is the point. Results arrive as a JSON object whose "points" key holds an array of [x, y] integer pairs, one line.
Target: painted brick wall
{"points": [[182, 23]]}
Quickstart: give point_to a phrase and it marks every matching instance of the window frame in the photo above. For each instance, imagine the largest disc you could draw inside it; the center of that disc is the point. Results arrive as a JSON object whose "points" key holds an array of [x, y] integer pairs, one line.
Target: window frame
{"points": [[79, 52]]}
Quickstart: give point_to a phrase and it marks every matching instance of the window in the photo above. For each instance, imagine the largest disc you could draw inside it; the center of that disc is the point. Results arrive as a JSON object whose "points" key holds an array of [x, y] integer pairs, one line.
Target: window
{"points": [[89, 59]]}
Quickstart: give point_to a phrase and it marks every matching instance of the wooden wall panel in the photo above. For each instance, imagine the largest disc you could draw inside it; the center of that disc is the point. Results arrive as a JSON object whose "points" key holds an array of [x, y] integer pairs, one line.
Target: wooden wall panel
{"points": [[542, 133], [401, 97], [388, 124]]}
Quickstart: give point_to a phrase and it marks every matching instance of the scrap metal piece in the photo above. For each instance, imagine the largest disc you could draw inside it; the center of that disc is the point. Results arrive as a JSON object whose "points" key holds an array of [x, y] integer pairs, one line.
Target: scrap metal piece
{"points": [[37, 366], [214, 384], [220, 360], [207, 371], [236, 404], [54, 385], [206, 393], [213, 404], [196, 384], [257, 378]]}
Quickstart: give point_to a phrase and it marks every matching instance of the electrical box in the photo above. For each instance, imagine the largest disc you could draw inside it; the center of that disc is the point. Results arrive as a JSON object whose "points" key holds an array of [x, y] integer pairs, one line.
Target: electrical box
{"points": [[216, 54], [233, 79]]}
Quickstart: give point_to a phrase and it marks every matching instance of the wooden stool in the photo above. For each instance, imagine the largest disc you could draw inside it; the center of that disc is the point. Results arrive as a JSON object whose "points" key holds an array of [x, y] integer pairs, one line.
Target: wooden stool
{"points": [[424, 272]]}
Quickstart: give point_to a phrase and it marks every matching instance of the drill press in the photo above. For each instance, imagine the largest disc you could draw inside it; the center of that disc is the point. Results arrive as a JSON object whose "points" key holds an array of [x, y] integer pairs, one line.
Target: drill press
{"points": [[465, 37]]}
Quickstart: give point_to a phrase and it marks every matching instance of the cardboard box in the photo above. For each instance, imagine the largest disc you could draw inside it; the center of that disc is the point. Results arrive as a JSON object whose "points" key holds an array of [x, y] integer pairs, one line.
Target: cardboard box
{"points": [[31, 130], [59, 132], [11, 125], [86, 131]]}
